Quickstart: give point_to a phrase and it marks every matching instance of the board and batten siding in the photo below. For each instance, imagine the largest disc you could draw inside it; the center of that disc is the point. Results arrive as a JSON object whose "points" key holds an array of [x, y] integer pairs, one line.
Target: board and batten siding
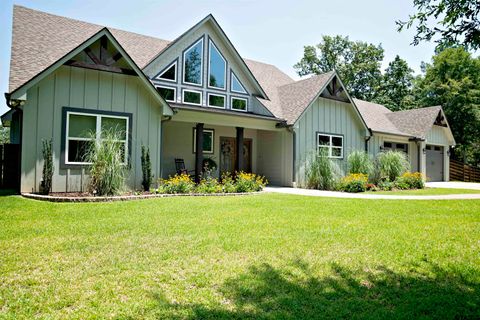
{"points": [[331, 117], [438, 135], [275, 160], [87, 89]]}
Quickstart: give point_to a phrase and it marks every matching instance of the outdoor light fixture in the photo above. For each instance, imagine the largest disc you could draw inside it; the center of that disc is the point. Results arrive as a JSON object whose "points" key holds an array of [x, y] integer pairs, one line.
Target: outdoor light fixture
{"points": [[424, 151], [448, 152]]}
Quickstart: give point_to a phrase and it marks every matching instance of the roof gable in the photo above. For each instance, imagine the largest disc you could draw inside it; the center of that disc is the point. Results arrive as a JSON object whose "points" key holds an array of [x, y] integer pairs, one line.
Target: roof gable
{"points": [[77, 52], [208, 26], [32, 54]]}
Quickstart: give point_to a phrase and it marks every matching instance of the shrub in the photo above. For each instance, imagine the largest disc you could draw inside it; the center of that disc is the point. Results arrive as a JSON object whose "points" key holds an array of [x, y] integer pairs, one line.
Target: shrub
{"points": [[209, 185], [401, 184], [179, 183], [249, 182], [411, 180], [228, 184], [108, 170], [321, 172], [372, 187], [385, 185], [146, 169], [47, 172], [390, 165], [359, 162], [208, 164], [355, 182]]}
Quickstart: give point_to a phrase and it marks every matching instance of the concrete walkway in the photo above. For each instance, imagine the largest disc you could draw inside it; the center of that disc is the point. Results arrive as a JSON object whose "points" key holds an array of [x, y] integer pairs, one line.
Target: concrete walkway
{"points": [[454, 185], [334, 194]]}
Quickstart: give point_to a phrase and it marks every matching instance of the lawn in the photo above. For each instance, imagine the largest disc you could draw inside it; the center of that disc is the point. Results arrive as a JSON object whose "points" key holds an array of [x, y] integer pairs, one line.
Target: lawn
{"points": [[261, 257], [427, 192]]}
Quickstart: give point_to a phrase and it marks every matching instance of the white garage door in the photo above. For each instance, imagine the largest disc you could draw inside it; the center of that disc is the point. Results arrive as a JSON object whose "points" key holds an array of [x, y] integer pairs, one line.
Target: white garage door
{"points": [[434, 163]]}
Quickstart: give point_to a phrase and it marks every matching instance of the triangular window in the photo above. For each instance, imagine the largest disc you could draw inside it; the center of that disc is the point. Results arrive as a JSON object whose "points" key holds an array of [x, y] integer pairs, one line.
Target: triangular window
{"points": [[169, 73], [236, 85]]}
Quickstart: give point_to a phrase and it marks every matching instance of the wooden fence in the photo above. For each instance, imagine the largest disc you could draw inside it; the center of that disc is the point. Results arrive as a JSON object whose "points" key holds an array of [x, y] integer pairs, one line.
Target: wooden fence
{"points": [[10, 166], [462, 172]]}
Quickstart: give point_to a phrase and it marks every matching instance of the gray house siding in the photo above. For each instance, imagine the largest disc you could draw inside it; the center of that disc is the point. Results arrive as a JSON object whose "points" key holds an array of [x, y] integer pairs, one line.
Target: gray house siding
{"points": [[85, 89], [327, 116], [275, 159]]}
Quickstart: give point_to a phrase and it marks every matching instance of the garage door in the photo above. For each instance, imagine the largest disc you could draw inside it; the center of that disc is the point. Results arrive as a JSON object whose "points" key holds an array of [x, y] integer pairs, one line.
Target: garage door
{"points": [[434, 163]]}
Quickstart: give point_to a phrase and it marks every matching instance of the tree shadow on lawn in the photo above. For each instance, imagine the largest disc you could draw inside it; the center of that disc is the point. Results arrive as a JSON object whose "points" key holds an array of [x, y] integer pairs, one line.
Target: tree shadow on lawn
{"points": [[264, 292]]}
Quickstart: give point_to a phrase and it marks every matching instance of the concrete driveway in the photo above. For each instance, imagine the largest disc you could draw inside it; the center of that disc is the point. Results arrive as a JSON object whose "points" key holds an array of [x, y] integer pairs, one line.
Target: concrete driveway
{"points": [[454, 185]]}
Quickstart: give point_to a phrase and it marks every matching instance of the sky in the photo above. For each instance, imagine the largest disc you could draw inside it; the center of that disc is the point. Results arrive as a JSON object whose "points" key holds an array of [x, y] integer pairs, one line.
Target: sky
{"points": [[269, 31]]}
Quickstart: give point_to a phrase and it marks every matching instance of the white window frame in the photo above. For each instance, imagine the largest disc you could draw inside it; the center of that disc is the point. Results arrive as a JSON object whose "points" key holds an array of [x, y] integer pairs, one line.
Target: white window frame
{"points": [[233, 75], [171, 88], [330, 145], [239, 98], [174, 63], [98, 133], [201, 64], [212, 132], [191, 103], [217, 95], [210, 44]]}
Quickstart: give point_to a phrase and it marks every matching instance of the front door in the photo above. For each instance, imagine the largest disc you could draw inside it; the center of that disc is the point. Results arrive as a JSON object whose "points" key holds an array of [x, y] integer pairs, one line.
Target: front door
{"points": [[228, 155]]}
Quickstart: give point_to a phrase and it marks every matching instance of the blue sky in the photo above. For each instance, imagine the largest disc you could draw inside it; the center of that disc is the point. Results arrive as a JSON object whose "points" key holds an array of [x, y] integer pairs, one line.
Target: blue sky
{"points": [[268, 31]]}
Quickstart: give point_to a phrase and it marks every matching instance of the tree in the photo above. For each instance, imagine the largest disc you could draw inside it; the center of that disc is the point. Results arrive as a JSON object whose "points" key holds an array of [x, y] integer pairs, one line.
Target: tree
{"points": [[452, 80], [456, 22], [357, 63], [4, 134], [396, 87]]}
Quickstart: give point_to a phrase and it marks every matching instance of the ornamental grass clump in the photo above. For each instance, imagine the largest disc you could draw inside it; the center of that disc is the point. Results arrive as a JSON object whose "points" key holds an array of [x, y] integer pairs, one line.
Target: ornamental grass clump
{"points": [[390, 165], [321, 172], [108, 170], [359, 162]]}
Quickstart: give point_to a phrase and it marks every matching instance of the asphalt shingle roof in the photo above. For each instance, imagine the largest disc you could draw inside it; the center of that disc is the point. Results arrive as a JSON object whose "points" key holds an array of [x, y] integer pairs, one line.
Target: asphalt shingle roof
{"points": [[40, 39]]}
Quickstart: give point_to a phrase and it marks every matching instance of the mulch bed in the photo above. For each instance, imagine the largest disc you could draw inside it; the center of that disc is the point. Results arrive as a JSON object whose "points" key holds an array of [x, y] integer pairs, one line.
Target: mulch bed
{"points": [[87, 197]]}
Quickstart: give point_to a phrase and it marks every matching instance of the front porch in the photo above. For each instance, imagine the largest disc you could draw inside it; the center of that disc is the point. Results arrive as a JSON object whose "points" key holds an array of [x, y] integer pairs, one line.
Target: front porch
{"points": [[233, 142]]}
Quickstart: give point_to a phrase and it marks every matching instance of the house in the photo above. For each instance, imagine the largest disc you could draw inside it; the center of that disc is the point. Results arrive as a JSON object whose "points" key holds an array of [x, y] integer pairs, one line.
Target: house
{"points": [[191, 98]]}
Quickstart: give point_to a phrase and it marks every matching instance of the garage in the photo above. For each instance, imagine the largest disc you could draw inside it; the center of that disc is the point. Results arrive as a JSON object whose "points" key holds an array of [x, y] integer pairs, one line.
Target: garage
{"points": [[435, 165]]}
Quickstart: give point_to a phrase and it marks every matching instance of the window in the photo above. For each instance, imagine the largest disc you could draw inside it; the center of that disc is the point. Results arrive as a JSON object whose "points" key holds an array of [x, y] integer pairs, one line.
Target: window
{"points": [[192, 97], [332, 144], [217, 67], [208, 140], [169, 94], [216, 100], [169, 73], [192, 64], [235, 85], [239, 104], [85, 129], [395, 146]]}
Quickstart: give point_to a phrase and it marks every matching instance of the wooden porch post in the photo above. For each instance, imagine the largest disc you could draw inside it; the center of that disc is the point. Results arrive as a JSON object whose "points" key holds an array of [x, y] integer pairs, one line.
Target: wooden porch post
{"points": [[239, 150], [198, 152]]}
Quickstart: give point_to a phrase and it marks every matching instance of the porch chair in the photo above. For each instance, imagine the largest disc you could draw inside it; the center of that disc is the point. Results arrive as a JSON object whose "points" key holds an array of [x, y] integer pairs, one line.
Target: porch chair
{"points": [[180, 167]]}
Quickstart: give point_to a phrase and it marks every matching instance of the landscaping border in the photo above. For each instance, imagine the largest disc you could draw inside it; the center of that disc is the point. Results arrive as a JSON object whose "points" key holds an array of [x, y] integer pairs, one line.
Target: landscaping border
{"points": [[42, 197]]}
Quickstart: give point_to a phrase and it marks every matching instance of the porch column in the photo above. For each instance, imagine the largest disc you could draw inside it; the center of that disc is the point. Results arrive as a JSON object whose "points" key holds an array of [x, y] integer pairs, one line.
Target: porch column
{"points": [[422, 158], [239, 149], [198, 152]]}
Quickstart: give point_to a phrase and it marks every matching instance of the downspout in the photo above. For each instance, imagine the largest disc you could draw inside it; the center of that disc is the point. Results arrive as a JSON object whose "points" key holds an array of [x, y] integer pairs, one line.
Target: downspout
{"points": [[366, 143]]}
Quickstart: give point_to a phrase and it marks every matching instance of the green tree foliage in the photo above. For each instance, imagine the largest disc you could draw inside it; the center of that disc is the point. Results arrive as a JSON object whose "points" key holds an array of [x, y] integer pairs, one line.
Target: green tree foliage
{"points": [[396, 86], [455, 22], [4, 134], [452, 80], [357, 63]]}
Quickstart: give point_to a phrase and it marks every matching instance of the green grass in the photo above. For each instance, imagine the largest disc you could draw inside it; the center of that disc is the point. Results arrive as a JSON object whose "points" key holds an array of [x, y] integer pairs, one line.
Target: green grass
{"points": [[427, 192], [261, 257]]}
